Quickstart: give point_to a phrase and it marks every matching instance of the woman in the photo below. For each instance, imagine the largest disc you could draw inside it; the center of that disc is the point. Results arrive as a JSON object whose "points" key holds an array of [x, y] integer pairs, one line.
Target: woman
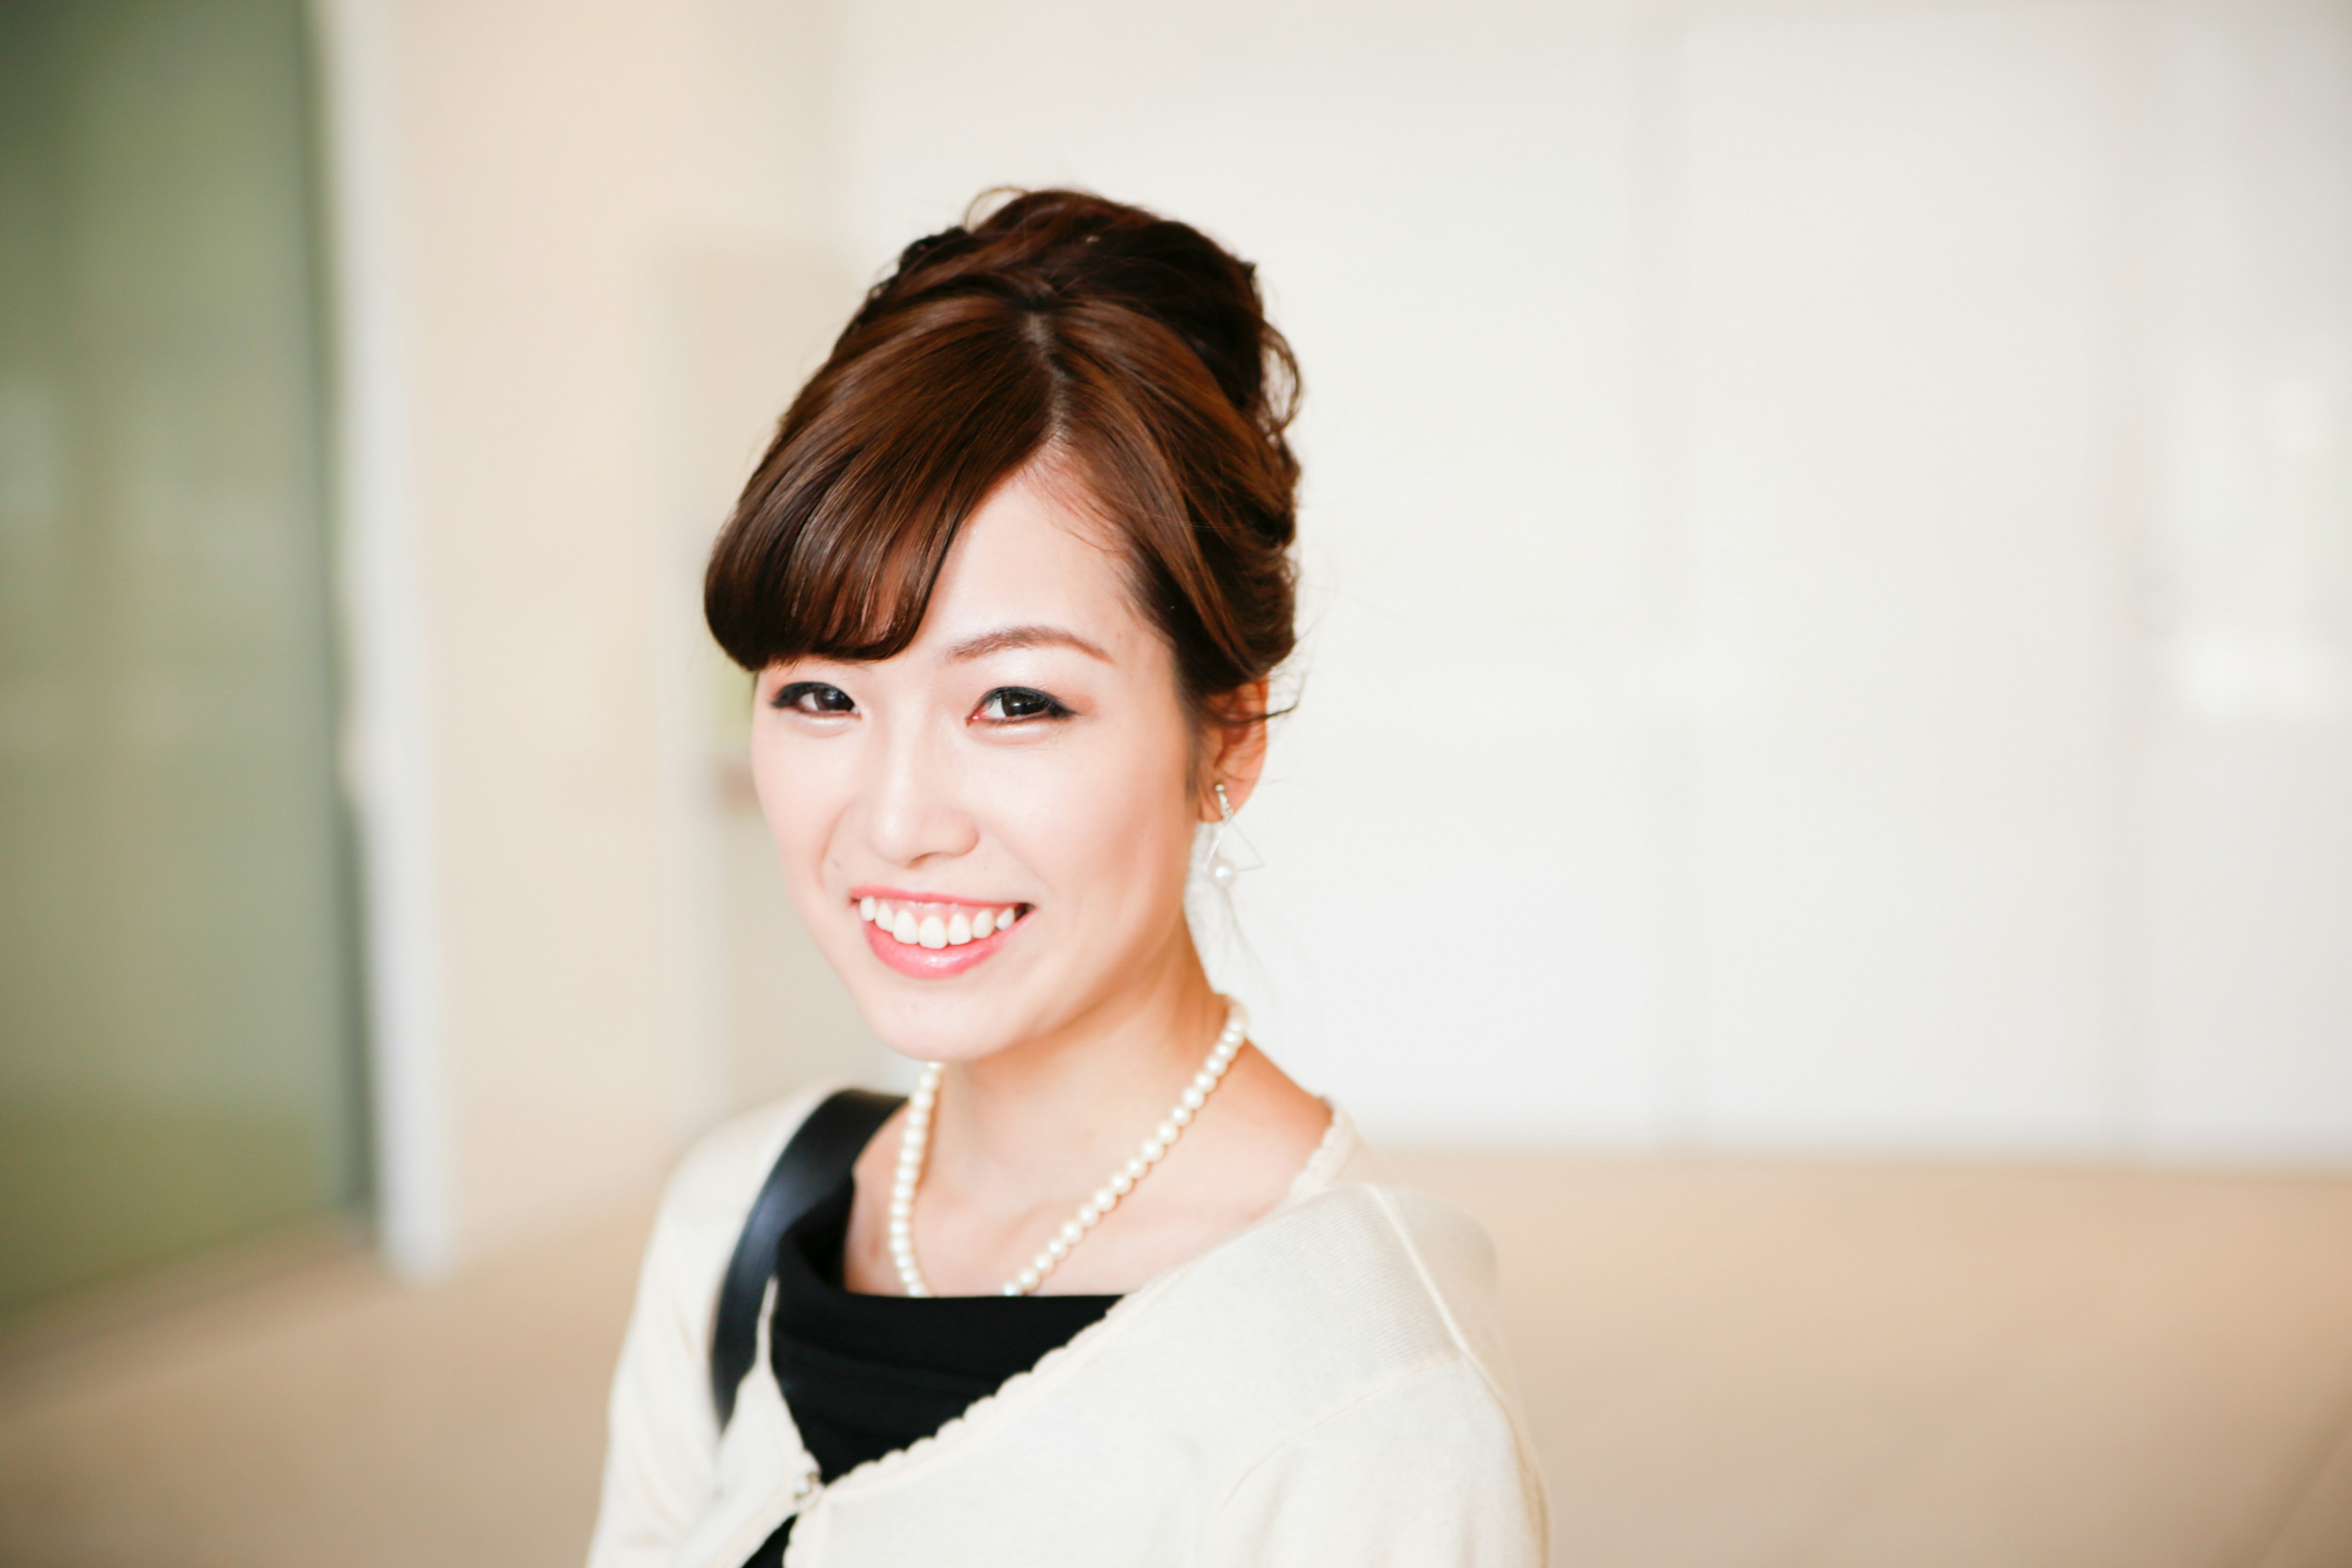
{"points": [[1109, 1287]]}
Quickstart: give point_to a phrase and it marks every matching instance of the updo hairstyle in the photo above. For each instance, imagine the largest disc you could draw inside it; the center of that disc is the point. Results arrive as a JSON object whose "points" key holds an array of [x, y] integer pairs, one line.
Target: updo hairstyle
{"points": [[1131, 350]]}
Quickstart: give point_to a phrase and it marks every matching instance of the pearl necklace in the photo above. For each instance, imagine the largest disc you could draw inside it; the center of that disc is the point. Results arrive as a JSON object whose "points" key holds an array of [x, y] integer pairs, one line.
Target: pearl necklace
{"points": [[915, 1138]]}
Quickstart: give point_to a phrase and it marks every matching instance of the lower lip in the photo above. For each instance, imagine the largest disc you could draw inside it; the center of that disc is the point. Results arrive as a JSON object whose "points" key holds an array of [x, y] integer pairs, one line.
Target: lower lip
{"points": [[920, 963]]}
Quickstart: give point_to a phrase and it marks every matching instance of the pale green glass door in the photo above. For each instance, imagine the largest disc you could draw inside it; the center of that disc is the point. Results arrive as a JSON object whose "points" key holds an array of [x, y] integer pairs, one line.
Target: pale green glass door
{"points": [[177, 1054]]}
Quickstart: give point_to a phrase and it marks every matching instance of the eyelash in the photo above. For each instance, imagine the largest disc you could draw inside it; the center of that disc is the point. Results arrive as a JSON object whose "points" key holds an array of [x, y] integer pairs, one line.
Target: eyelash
{"points": [[794, 697], [1049, 708], [790, 697]]}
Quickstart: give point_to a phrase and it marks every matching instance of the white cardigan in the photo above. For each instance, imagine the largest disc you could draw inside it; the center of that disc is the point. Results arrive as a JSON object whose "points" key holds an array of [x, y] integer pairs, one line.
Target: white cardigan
{"points": [[1325, 1388]]}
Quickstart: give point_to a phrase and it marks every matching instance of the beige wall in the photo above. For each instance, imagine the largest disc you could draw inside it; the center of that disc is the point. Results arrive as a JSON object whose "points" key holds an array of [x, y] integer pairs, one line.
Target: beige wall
{"points": [[578, 268]]}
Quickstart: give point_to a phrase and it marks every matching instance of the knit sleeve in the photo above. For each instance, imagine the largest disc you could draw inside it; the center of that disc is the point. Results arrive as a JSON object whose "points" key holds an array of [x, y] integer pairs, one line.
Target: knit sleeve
{"points": [[1428, 1471], [663, 1435], [661, 1459]]}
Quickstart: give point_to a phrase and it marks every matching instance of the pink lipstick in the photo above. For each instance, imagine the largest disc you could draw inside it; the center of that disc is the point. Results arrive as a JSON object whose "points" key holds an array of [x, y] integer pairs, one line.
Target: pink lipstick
{"points": [[930, 936]]}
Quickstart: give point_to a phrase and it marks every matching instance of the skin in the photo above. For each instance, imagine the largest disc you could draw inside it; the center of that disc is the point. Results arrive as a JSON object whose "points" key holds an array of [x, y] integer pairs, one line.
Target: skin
{"points": [[1031, 747]]}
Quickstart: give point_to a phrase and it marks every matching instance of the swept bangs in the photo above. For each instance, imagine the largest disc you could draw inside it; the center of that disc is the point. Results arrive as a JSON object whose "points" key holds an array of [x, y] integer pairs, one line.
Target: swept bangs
{"points": [[841, 534], [1131, 350]]}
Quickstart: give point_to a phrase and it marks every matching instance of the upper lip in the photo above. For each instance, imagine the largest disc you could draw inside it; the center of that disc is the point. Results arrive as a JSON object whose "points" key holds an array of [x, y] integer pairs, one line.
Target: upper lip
{"points": [[904, 896]]}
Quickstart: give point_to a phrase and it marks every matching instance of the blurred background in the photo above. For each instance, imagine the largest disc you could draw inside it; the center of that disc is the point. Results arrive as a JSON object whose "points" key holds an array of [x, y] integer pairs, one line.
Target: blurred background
{"points": [[1820, 805]]}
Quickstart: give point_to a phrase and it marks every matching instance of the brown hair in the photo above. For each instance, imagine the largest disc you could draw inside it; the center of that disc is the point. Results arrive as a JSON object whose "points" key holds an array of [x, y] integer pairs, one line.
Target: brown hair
{"points": [[1056, 325]]}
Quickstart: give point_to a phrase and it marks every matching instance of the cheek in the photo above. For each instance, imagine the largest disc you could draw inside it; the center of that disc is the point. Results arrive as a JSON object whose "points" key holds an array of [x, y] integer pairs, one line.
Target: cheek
{"points": [[800, 797], [1110, 833]]}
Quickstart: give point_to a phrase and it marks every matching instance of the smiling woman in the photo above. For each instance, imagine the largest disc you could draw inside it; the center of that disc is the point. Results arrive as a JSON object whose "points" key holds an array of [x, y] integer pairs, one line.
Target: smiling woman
{"points": [[1109, 1287]]}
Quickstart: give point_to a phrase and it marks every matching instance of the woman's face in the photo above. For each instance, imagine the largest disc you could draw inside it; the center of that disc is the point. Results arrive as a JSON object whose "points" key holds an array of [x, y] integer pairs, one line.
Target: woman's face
{"points": [[989, 834]]}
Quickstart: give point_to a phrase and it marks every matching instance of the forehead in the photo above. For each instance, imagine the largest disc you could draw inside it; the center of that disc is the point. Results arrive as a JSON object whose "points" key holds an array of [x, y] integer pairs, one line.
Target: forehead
{"points": [[1033, 556]]}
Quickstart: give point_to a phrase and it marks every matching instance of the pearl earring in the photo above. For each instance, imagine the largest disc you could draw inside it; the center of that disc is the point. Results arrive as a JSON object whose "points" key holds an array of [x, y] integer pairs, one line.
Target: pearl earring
{"points": [[1223, 867]]}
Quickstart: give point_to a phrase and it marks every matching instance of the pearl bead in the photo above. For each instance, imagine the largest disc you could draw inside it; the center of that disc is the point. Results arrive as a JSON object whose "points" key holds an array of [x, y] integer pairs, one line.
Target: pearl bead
{"points": [[915, 1135], [1223, 872]]}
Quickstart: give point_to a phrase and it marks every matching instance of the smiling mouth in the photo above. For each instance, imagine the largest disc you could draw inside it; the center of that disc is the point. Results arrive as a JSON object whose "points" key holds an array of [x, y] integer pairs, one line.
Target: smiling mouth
{"points": [[926, 924]]}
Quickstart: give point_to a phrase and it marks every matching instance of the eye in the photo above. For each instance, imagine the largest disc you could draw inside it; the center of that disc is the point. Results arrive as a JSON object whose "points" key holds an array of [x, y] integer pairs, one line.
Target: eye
{"points": [[813, 696], [1018, 704]]}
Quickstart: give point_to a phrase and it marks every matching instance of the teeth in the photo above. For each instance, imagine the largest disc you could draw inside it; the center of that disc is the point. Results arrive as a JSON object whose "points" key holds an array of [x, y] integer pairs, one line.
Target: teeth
{"points": [[954, 929]]}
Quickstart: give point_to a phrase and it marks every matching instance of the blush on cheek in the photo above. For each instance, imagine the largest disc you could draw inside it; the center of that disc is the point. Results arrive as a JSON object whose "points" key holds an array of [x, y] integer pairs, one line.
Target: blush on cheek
{"points": [[1112, 848], [803, 803]]}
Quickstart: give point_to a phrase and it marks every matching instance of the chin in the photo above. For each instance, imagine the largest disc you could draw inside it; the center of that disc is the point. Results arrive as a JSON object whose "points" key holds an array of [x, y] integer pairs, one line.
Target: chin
{"points": [[957, 1003], [941, 1022]]}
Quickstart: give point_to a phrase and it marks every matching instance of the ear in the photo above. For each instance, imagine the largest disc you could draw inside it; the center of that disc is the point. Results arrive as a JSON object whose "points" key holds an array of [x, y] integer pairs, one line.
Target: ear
{"points": [[1237, 747]]}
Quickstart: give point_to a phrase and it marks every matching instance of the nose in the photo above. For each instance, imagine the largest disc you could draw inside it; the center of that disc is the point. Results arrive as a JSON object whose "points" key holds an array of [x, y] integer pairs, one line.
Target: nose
{"points": [[913, 814]]}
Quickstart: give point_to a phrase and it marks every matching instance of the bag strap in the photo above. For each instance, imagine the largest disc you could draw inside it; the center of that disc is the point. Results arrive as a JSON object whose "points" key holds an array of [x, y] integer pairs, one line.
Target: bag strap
{"points": [[819, 1155]]}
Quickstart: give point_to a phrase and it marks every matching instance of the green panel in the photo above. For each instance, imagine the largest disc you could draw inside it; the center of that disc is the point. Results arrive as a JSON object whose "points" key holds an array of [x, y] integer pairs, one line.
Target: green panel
{"points": [[176, 1045]]}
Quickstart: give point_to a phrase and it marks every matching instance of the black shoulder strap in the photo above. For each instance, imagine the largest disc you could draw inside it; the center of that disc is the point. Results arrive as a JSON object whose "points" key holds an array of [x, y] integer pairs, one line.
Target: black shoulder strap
{"points": [[820, 1154]]}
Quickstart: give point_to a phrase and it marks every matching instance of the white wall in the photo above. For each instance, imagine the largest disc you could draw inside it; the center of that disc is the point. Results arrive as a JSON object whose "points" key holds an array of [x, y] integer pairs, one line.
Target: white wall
{"points": [[1829, 546], [2245, 375], [1829, 535]]}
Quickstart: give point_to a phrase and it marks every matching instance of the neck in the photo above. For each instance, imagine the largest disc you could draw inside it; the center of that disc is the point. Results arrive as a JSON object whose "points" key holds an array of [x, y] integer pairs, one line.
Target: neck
{"points": [[1048, 1116]]}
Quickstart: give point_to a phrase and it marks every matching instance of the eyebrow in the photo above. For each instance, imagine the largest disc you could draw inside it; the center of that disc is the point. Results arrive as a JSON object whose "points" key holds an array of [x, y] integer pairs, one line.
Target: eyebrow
{"points": [[1010, 638]]}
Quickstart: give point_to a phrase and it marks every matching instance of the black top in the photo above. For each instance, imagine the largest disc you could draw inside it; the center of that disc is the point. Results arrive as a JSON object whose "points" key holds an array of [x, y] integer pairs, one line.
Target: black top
{"points": [[866, 1374]]}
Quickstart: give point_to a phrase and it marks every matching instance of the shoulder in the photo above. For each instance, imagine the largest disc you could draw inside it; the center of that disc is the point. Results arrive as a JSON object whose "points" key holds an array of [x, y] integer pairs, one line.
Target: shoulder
{"points": [[1432, 1261], [1408, 1278], [1357, 1340], [710, 1193], [663, 1450], [1351, 1286]]}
